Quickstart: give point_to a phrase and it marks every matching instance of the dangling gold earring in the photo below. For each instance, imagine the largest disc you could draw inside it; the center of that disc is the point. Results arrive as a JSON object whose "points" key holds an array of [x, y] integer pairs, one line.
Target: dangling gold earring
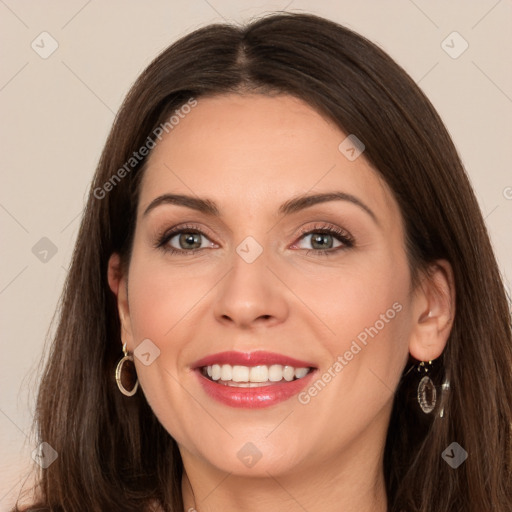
{"points": [[120, 375]]}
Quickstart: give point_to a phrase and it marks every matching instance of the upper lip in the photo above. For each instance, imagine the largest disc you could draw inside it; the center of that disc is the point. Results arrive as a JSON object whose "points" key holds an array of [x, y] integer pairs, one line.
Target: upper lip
{"points": [[255, 358]]}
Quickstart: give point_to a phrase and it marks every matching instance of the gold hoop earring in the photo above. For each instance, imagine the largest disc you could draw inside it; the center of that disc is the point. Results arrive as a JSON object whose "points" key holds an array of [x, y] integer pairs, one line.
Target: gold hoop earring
{"points": [[122, 375]]}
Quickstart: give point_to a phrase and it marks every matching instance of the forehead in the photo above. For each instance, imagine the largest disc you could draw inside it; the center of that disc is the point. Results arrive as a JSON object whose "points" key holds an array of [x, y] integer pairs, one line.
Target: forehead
{"points": [[253, 151]]}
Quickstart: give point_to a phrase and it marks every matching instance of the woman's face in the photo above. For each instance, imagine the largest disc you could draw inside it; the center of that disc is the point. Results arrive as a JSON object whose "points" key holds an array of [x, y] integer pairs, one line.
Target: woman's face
{"points": [[260, 272]]}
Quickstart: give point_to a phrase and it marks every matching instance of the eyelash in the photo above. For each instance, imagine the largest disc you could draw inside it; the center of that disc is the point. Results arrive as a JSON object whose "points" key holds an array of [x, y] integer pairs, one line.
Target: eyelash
{"points": [[341, 235]]}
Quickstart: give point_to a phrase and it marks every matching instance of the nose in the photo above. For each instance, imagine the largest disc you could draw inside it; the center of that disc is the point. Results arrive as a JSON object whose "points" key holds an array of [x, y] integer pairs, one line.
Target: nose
{"points": [[251, 294]]}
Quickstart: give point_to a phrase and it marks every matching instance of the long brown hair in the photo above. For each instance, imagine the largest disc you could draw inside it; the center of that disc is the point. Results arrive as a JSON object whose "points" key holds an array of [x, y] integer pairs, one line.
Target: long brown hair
{"points": [[113, 454]]}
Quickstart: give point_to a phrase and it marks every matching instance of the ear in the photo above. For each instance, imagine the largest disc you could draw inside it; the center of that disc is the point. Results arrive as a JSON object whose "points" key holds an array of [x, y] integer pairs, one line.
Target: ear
{"points": [[433, 312], [119, 285]]}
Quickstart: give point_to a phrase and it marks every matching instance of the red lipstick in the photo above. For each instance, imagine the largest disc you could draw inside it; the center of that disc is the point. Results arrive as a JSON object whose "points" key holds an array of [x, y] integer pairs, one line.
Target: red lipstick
{"points": [[261, 395], [251, 359]]}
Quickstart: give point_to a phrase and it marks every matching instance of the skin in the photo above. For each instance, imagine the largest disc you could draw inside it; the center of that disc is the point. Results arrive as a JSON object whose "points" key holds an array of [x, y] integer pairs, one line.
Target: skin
{"points": [[250, 154]]}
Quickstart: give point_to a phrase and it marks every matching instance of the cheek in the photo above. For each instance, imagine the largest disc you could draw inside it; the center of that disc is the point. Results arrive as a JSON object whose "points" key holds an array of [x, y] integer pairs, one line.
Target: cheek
{"points": [[160, 310], [365, 318], [364, 298], [367, 312], [161, 300]]}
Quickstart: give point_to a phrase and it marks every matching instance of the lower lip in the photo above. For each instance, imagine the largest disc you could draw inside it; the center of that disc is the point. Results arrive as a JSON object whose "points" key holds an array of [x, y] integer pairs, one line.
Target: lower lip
{"points": [[254, 398]]}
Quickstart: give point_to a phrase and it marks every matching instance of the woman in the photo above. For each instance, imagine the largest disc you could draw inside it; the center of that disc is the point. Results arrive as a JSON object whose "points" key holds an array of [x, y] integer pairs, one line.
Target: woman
{"points": [[282, 294]]}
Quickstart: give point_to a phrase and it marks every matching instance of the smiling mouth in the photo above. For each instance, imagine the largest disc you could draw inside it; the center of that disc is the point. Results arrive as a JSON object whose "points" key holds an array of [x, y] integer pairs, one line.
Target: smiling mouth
{"points": [[253, 376]]}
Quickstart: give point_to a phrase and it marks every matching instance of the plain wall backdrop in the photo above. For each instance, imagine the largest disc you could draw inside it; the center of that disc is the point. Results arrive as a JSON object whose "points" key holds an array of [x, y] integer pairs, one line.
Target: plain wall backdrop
{"points": [[66, 66]]}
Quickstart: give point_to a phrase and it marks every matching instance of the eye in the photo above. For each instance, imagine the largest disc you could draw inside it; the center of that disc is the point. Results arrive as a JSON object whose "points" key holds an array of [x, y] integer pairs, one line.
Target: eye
{"points": [[183, 240], [189, 240], [322, 239]]}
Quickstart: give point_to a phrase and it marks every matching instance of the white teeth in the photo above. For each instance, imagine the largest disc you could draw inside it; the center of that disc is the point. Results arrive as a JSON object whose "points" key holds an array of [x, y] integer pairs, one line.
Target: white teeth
{"points": [[226, 372], [240, 374], [258, 374], [215, 371], [301, 372], [288, 373], [253, 374], [275, 373]]}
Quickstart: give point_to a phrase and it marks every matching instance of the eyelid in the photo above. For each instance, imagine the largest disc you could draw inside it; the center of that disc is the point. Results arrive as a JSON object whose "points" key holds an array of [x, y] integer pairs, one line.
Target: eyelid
{"points": [[328, 227]]}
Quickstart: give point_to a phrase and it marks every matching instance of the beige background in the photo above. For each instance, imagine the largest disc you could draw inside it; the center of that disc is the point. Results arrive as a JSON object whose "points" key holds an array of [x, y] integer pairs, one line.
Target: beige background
{"points": [[56, 113]]}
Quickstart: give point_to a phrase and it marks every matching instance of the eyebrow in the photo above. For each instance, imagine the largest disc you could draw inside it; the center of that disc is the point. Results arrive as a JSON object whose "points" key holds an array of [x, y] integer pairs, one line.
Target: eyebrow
{"points": [[293, 205]]}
